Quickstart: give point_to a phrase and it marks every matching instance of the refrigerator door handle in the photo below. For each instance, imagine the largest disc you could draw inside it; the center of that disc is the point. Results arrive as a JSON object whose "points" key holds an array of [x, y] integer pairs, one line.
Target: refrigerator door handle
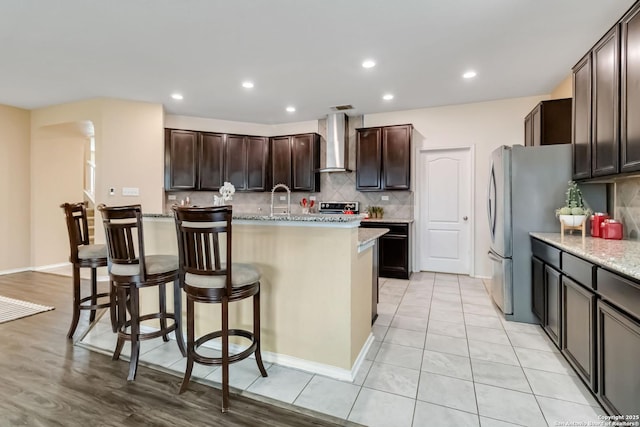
{"points": [[494, 257], [491, 202]]}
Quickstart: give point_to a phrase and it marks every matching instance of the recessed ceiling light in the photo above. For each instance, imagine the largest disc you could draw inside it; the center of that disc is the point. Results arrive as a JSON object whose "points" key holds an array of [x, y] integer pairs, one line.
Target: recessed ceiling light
{"points": [[469, 74], [247, 85], [387, 97], [368, 63], [177, 96], [291, 109]]}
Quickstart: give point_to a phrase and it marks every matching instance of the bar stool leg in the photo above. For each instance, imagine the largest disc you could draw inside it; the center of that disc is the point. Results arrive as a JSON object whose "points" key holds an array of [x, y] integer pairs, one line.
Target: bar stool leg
{"points": [[177, 313], [162, 295], [94, 292], [113, 309], [122, 319], [225, 354], [256, 332], [190, 344], [76, 301], [135, 333]]}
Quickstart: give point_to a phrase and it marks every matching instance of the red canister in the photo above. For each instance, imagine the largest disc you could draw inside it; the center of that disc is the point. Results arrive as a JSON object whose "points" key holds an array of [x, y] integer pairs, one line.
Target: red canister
{"points": [[611, 229], [596, 223]]}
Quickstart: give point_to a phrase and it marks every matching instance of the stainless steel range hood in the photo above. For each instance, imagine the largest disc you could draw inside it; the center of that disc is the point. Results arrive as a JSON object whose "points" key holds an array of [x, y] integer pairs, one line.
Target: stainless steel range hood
{"points": [[337, 154]]}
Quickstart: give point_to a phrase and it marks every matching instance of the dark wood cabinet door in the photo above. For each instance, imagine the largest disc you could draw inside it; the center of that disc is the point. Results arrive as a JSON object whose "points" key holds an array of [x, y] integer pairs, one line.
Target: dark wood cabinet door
{"points": [[528, 131], [396, 157], [369, 159], [281, 160], [257, 155], [552, 305], [236, 161], [536, 126], [211, 161], [630, 92], [537, 288], [305, 157], [618, 367], [578, 329], [181, 149], [581, 132], [605, 139]]}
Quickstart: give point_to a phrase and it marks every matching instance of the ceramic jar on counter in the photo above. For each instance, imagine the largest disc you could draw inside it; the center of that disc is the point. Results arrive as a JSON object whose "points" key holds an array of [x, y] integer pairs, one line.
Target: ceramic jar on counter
{"points": [[596, 223], [611, 229]]}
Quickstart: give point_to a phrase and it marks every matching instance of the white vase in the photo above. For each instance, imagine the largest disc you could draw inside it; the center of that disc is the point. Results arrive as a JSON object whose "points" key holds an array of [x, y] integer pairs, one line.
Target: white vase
{"points": [[572, 220]]}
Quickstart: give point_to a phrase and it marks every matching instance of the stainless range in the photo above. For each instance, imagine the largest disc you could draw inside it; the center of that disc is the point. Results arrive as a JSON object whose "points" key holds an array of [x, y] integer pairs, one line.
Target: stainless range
{"points": [[339, 207]]}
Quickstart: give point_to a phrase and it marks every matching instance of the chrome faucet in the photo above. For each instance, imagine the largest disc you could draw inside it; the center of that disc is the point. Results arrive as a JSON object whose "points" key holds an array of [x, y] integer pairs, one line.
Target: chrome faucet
{"points": [[287, 208]]}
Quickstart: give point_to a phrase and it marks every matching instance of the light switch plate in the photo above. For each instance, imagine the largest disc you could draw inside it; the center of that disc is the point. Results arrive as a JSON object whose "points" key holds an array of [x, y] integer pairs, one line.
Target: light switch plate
{"points": [[385, 197], [130, 191], [283, 198], [172, 197], [312, 197]]}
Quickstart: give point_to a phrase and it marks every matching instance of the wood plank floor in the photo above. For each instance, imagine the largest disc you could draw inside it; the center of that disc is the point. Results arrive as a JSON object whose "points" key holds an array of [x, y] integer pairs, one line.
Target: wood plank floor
{"points": [[47, 381]]}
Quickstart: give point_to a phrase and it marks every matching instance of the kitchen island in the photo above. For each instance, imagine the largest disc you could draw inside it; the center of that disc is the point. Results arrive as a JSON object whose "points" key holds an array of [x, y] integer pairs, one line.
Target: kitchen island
{"points": [[315, 287]]}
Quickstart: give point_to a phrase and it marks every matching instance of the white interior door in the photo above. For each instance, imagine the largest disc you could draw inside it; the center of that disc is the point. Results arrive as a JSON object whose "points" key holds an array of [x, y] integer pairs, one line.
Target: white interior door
{"points": [[445, 210]]}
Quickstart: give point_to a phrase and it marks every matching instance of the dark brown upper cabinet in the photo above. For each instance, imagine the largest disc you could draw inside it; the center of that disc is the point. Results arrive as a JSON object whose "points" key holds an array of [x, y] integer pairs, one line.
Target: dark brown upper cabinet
{"points": [[383, 158], [211, 164], [630, 91], [581, 124], [295, 160], [193, 160], [596, 124], [246, 162], [181, 162], [548, 123], [606, 78]]}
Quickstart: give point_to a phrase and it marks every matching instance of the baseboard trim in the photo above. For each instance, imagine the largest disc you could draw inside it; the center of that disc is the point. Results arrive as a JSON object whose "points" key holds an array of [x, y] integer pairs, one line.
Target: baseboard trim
{"points": [[43, 268], [295, 362], [15, 270]]}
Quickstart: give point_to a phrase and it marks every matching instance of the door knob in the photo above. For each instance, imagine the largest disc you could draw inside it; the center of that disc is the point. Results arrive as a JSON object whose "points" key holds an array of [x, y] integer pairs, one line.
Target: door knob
{"points": [[465, 217]]}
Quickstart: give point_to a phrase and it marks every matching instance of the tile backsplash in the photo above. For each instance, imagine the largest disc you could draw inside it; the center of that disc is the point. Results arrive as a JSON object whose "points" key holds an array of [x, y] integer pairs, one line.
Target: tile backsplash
{"points": [[335, 186], [627, 206]]}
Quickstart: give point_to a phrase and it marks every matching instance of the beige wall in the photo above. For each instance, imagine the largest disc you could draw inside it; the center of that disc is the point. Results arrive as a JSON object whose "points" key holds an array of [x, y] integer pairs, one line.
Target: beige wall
{"points": [[243, 128], [129, 153], [14, 188], [564, 89], [57, 165], [486, 126]]}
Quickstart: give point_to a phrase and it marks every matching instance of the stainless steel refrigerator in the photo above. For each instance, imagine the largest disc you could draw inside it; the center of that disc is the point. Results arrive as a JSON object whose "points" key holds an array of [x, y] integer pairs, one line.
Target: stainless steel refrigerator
{"points": [[526, 186]]}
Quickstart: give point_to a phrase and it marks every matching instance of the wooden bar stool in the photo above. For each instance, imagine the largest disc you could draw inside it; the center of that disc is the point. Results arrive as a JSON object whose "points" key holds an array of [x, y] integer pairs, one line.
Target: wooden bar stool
{"points": [[130, 270], [85, 255], [205, 279]]}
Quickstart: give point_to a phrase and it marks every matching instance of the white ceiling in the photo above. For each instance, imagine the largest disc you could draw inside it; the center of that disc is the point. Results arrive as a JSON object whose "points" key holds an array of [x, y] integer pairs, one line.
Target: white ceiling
{"points": [[306, 53]]}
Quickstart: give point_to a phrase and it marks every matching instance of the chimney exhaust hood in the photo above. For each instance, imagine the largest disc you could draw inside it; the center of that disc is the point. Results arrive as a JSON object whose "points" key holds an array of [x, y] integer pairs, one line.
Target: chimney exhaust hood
{"points": [[337, 153]]}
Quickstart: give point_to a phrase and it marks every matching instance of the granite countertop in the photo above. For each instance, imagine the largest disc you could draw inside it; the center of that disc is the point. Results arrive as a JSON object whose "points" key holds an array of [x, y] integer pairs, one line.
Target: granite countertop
{"points": [[622, 256], [283, 218], [389, 220], [366, 235]]}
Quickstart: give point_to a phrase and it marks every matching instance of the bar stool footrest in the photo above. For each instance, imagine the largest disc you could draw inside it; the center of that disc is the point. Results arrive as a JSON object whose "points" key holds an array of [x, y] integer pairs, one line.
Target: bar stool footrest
{"points": [[148, 335], [232, 357], [94, 306]]}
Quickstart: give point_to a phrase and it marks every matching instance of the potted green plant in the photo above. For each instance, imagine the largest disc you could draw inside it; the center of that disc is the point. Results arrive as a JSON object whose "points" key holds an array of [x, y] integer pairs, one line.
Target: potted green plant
{"points": [[575, 211]]}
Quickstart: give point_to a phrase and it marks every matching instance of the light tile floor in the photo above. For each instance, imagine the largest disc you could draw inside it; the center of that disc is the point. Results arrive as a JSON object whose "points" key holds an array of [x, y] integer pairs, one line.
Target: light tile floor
{"points": [[442, 356]]}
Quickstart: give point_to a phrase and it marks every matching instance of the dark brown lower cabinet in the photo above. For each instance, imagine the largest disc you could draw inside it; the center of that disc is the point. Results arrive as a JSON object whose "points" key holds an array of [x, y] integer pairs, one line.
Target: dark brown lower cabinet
{"points": [[578, 329], [537, 287], [553, 298], [619, 368]]}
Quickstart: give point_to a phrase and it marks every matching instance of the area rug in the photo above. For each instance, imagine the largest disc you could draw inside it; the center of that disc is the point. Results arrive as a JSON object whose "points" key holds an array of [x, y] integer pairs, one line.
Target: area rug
{"points": [[12, 309]]}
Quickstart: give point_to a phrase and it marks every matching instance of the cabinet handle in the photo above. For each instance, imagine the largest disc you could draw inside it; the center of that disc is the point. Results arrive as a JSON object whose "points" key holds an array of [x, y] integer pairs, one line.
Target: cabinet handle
{"points": [[465, 217]]}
